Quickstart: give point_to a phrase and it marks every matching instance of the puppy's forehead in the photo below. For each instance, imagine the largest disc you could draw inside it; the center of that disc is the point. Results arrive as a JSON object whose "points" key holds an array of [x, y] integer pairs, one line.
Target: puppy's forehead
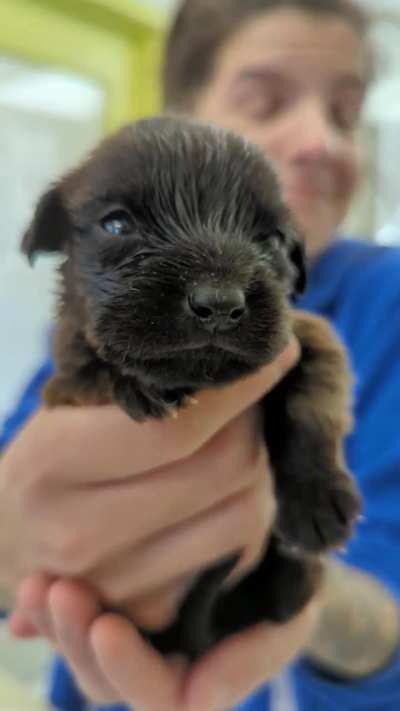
{"points": [[171, 156]]}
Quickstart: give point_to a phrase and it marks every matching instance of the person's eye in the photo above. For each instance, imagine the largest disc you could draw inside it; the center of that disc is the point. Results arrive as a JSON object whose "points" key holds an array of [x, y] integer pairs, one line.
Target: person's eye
{"points": [[257, 101], [347, 116], [263, 107], [117, 223]]}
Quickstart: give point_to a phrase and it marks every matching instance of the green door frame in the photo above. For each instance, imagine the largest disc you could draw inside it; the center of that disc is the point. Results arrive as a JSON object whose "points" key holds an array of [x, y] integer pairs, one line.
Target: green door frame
{"points": [[115, 42]]}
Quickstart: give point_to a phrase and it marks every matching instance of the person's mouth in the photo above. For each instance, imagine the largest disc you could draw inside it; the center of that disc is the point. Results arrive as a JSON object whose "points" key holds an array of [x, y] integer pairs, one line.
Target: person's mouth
{"points": [[310, 187]]}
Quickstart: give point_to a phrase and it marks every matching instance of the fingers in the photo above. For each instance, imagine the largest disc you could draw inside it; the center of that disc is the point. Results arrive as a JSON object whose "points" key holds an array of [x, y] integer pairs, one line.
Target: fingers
{"points": [[31, 616], [240, 664], [62, 611], [46, 482], [21, 626], [157, 609], [144, 680], [73, 609], [239, 524], [104, 443], [216, 407], [75, 616], [113, 663], [141, 508], [220, 680]]}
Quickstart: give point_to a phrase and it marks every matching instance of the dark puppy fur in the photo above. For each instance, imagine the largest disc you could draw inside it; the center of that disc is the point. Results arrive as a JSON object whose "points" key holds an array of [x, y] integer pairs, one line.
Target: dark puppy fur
{"points": [[181, 261]]}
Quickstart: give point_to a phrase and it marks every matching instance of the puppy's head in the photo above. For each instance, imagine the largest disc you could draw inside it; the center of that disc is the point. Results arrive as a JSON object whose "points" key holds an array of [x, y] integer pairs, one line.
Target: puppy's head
{"points": [[180, 254]]}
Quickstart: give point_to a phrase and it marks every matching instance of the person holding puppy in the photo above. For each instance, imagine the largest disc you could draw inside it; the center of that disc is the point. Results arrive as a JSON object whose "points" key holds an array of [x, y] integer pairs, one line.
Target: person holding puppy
{"points": [[290, 75]]}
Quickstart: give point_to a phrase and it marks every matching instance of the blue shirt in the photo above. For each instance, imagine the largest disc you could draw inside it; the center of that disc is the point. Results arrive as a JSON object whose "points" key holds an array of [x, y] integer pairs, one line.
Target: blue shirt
{"points": [[356, 286]]}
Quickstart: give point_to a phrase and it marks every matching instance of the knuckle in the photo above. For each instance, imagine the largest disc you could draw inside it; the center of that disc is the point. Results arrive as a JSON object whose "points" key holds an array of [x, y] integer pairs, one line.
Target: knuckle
{"points": [[259, 510], [68, 551], [254, 470], [154, 615], [245, 459], [153, 610], [243, 475]]}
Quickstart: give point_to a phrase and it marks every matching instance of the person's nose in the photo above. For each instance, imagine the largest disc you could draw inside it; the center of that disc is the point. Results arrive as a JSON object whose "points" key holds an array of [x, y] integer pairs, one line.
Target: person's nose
{"points": [[316, 138]]}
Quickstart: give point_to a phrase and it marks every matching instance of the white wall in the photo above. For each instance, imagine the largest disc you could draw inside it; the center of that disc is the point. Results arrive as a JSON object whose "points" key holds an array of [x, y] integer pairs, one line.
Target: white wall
{"points": [[39, 139]]}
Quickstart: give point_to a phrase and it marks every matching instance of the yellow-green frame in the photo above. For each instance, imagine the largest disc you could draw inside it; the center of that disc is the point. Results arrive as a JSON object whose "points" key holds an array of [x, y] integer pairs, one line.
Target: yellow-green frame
{"points": [[115, 42]]}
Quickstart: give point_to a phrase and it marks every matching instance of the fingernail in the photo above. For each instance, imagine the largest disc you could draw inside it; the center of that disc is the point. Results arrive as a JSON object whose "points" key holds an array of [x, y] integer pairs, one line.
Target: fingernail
{"points": [[43, 624]]}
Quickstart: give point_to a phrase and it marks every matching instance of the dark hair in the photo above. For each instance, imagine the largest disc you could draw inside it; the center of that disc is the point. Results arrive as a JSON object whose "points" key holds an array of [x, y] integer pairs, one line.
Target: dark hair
{"points": [[201, 27]]}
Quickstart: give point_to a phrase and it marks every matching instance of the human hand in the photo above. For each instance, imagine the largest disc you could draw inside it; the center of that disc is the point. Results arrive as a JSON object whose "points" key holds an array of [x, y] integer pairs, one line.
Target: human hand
{"points": [[75, 476], [147, 578], [112, 663]]}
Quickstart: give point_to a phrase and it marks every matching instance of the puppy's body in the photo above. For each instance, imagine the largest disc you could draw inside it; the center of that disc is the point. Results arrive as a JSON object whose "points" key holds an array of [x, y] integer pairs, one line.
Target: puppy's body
{"points": [[181, 261]]}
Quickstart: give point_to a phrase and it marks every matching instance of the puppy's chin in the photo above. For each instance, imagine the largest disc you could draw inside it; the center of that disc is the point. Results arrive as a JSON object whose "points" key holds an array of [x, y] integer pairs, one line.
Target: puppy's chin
{"points": [[197, 366], [168, 349]]}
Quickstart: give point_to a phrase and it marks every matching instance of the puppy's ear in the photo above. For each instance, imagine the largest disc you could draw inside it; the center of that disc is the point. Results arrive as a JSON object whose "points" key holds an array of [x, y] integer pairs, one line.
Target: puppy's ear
{"points": [[50, 228], [295, 248], [297, 256]]}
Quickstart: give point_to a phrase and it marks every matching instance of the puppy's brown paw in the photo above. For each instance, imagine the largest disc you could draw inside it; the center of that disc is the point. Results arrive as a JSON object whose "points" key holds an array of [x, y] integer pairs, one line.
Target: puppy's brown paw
{"points": [[319, 513], [62, 390], [138, 403], [56, 392]]}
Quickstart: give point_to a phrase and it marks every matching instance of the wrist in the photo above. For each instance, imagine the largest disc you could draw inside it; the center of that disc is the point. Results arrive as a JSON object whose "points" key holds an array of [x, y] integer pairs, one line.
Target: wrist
{"points": [[355, 609]]}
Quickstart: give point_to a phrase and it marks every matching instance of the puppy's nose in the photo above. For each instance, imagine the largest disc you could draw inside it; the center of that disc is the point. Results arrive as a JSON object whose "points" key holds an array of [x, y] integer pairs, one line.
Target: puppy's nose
{"points": [[217, 308]]}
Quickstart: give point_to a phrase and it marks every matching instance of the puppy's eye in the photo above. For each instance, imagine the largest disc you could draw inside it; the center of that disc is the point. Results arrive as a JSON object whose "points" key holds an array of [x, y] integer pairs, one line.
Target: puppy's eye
{"points": [[276, 238], [117, 223], [273, 239]]}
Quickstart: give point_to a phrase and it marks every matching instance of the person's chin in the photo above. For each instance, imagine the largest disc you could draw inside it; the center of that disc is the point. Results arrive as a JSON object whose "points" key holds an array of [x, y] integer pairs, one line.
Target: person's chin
{"points": [[317, 234], [301, 195], [316, 220], [316, 239]]}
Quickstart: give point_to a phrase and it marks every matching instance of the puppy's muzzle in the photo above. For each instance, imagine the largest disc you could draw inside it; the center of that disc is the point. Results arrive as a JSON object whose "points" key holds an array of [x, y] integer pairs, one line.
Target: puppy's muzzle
{"points": [[216, 308]]}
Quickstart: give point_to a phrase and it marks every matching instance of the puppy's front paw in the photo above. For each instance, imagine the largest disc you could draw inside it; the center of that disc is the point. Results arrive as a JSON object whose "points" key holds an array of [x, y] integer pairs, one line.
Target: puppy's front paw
{"points": [[59, 391], [75, 391], [318, 514], [138, 403], [178, 398]]}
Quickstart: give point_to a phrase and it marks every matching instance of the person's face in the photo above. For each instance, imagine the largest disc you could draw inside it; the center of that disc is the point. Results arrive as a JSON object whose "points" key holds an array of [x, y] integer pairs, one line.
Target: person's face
{"points": [[294, 84]]}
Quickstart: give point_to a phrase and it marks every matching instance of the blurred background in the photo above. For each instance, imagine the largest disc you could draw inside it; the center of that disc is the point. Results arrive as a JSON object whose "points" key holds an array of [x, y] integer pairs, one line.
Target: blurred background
{"points": [[71, 70]]}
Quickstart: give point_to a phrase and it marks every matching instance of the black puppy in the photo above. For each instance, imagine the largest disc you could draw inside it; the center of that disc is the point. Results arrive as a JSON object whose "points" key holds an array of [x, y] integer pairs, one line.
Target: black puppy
{"points": [[181, 262]]}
